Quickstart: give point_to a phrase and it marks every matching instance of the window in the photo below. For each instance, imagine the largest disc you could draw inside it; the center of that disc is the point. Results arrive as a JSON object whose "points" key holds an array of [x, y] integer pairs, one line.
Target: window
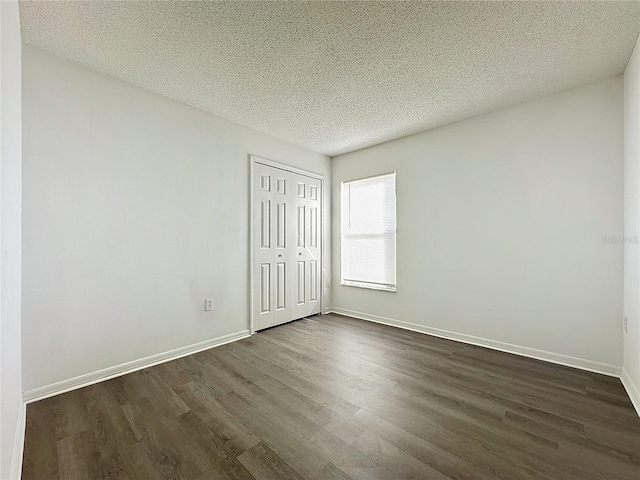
{"points": [[368, 232]]}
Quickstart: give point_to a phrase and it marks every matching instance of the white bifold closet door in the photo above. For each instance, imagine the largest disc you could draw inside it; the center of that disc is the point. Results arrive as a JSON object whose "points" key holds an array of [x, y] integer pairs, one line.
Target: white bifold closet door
{"points": [[286, 246]]}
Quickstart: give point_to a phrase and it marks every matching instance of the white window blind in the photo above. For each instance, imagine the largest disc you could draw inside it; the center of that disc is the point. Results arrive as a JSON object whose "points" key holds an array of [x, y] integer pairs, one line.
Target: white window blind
{"points": [[368, 232]]}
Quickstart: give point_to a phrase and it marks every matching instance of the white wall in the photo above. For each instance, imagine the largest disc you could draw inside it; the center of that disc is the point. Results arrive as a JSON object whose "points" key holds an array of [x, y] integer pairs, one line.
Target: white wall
{"points": [[12, 412], [631, 363], [136, 209], [501, 220]]}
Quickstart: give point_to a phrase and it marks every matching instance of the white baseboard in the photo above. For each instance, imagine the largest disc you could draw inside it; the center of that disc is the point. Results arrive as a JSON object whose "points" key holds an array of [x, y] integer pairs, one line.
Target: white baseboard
{"points": [[118, 370], [580, 363], [632, 390], [18, 443]]}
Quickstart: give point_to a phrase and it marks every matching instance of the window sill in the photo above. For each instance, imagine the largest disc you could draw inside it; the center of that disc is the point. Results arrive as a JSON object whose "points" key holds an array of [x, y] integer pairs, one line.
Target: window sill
{"points": [[369, 286]]}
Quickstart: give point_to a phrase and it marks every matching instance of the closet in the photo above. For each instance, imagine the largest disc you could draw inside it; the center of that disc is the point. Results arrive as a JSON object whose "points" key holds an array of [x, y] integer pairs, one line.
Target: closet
{"points": [[286, 245]]}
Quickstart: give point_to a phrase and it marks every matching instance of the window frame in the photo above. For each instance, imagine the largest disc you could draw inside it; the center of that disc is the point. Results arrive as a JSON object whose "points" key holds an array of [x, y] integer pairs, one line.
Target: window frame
{"points": [[387, 287]]}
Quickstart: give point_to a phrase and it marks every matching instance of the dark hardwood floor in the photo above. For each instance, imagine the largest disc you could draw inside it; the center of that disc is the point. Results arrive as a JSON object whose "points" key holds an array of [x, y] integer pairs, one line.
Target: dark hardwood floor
{"points": [[336, 398]]}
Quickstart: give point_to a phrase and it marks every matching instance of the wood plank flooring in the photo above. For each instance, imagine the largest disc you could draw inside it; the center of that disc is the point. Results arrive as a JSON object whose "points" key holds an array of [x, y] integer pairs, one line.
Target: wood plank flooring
{"points": [[337, 398]]}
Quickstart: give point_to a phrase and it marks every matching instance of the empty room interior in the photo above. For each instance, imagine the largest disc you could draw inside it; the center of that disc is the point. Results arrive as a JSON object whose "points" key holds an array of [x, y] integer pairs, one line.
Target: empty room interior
{"points": [[320, 240]]}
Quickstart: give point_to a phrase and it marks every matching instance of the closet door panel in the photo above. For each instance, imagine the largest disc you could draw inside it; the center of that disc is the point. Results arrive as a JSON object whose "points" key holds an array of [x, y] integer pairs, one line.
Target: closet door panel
{"points": [[283, 246], [307, 248], [314, 252], [263, 236]]}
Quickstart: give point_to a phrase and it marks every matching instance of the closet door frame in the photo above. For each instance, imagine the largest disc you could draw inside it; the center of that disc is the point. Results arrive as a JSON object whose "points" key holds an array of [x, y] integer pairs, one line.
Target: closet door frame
{"points": [[253, 160]]}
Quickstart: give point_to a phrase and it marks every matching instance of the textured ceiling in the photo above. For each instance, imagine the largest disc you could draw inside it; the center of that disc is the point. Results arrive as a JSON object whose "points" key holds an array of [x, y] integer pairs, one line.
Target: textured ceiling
{"points": [[335, 77]]}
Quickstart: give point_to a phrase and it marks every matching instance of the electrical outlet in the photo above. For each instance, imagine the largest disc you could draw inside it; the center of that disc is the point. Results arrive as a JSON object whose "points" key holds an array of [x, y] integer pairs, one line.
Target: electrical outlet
{"points": [[624, 323], [328, 285], [208, 304]]}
